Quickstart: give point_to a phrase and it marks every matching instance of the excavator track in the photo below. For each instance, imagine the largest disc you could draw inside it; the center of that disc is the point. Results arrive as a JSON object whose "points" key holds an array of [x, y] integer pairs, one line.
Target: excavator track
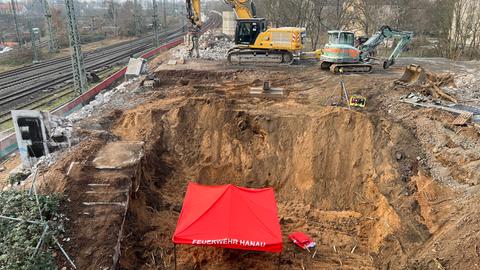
{"points": [[243, 56], [351, 68]]}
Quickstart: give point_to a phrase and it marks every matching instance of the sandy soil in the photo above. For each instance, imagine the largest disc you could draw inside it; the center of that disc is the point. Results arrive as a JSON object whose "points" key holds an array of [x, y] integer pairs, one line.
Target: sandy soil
{"points": [[8, 165], [375, 187]]}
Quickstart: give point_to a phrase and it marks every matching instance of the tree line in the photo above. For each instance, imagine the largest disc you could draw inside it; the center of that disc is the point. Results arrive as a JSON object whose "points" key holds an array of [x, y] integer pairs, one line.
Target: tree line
{"points": [[445, 28]]}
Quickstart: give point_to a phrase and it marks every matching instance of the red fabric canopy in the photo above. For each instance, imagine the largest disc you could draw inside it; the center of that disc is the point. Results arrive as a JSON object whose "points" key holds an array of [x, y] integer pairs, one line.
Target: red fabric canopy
{"points": [[229, 217], [302, 240]]}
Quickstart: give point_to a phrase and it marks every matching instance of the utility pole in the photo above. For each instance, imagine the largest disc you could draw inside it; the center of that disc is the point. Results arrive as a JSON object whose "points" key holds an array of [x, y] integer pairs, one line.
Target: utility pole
{"points": [[164, 14], [52, 43], [115, 18], [156, 30], [183, 15], [79, 76], [33, 41], [136, 18], [14, 12]]}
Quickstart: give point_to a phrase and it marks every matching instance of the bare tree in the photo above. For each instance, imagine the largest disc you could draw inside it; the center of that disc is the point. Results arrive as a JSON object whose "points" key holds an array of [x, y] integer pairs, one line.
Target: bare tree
{"points": [[452, 26], [369, 14], [127, 22], [60, 26]]}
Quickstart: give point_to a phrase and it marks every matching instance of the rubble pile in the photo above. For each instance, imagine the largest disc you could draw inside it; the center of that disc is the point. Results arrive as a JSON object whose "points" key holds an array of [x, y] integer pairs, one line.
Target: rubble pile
{"points": [[449, 87], [435, 83], [467, 87], [60, 127], [100, 99], [429, 84], [213, 45], [180, 52], [218, 51]]}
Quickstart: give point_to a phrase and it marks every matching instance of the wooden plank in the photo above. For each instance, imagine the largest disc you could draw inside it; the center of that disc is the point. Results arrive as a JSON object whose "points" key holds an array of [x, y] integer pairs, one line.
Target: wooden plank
{"points": [[462, 119]]}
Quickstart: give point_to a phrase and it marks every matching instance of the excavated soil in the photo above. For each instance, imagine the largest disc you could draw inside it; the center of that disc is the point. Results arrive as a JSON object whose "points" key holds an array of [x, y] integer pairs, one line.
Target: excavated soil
{"points": [[362, 183], [332, 170]]}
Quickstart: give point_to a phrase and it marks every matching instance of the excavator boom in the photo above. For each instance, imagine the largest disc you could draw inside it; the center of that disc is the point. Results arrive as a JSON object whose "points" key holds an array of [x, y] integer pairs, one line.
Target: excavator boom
{"points": [[244, 9], [386, 32], [194, 12]]}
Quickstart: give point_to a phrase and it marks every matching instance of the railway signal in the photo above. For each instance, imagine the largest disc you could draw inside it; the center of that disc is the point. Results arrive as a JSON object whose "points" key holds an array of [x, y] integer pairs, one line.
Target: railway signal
{"points": [[156, 30], [33, 39], [136, 18]]}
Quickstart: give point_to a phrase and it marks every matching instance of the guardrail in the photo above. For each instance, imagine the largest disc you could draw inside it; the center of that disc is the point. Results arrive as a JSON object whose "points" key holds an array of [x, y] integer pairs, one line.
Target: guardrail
{"points": [[8, 144]]}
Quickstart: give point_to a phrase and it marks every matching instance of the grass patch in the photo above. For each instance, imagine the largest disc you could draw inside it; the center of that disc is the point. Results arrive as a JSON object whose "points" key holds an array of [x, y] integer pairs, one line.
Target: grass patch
{"points": [[19, 239]]}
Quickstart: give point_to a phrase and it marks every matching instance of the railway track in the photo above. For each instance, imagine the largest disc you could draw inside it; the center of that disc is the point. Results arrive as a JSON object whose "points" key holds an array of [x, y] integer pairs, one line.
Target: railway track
{"points": [[17, 76], [29, 85], [31, 82], [48, 98], [65, 59]]}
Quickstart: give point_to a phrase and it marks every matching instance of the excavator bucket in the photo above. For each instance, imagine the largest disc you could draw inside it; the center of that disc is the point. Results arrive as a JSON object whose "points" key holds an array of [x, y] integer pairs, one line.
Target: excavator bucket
{"points": [[413, 75]]}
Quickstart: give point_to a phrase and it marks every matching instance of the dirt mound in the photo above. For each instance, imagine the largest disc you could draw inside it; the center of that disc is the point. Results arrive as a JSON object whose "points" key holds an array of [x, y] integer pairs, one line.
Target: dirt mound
{"points": [[327, 167], [184, 77]]}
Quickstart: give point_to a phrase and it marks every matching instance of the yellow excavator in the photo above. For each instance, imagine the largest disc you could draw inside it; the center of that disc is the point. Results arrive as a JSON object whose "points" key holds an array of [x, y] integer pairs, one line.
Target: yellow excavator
{"points": [[255, 42]]}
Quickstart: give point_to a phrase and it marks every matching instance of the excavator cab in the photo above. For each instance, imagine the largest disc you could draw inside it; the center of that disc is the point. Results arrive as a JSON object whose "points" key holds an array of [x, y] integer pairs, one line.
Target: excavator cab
{"points": [[340, 48], [248, 30], [341, 37]]}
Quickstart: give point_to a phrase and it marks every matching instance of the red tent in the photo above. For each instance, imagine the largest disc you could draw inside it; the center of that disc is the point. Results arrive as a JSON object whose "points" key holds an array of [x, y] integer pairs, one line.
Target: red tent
{"points": [[229, 217]]}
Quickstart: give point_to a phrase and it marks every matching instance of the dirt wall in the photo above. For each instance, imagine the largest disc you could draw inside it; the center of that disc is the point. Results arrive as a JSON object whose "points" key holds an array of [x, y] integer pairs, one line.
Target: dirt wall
{"points": [[327, 168]]}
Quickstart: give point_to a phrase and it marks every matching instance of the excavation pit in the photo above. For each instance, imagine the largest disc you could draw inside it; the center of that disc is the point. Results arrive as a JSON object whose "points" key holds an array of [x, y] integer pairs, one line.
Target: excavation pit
{"points": [[327, 168], [356, 181]]}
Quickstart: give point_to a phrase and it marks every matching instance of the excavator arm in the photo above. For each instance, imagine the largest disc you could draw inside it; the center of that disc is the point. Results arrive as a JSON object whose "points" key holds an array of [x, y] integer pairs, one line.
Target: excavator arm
{"points": [[194, 12], [385, 32], [244, 9]]}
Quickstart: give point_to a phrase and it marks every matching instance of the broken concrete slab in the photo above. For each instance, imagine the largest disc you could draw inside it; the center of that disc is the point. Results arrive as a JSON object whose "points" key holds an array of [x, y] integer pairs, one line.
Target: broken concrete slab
{"points": [[119, 155], [136, 67]]}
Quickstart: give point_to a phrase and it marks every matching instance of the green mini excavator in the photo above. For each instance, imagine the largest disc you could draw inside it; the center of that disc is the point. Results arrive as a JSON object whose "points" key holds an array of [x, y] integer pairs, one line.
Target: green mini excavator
{"points": [[341, 55]]}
